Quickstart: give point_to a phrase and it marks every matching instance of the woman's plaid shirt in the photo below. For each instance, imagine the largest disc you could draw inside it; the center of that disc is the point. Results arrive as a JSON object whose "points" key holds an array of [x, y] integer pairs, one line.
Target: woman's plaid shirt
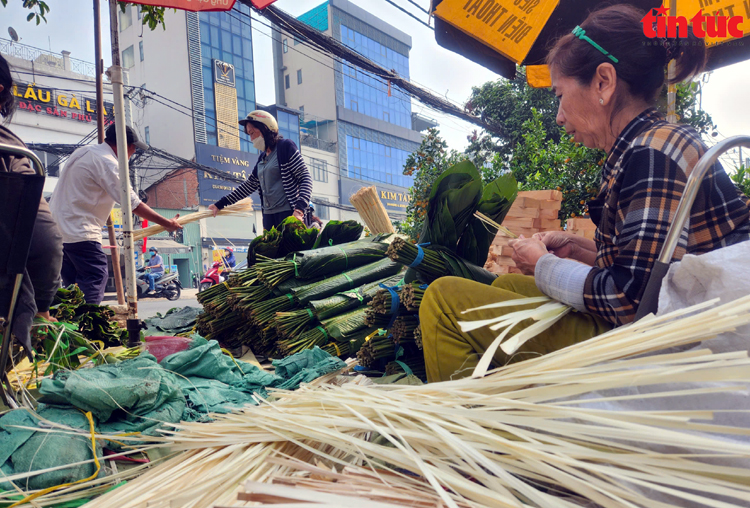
{"points": [[642, 182]]}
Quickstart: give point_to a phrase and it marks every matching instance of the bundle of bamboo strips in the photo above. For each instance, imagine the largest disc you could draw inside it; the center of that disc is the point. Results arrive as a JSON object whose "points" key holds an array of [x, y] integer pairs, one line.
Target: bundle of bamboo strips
{"points": [[529, 436], [241, 208], [372, 210]]}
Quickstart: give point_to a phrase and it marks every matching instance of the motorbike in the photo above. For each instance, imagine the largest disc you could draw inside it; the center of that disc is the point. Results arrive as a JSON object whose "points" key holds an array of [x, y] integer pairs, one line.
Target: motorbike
{"points": [[212, 277], [168, 286]]}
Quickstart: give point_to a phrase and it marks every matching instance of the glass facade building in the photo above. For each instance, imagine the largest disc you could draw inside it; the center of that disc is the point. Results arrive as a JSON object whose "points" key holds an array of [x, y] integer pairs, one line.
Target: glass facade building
{"points": [[367, 94], [376, 162], [224, 37]]}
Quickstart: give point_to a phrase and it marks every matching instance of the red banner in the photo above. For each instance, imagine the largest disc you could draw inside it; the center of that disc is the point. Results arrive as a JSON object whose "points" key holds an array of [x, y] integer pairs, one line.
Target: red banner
{"points": [[191, 5], [262, 4]]}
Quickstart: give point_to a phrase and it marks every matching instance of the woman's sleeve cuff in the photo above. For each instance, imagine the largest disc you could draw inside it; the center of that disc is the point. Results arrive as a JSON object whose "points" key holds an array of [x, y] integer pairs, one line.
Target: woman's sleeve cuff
{"points": [[562, 279]]}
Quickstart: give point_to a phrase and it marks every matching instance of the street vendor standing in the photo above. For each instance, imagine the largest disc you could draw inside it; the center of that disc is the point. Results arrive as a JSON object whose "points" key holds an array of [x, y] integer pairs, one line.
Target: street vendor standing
{"points": [[280, 175], [88, 188], [607, 76]]}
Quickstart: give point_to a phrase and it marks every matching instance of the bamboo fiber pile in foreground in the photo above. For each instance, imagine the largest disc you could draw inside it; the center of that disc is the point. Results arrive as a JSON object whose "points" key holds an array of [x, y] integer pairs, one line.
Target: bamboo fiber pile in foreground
{"points": [[533, 433]]}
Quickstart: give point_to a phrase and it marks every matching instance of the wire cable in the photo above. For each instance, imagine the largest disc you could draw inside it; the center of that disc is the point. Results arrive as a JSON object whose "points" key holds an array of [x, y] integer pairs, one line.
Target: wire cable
{"points": [[410, 14]]}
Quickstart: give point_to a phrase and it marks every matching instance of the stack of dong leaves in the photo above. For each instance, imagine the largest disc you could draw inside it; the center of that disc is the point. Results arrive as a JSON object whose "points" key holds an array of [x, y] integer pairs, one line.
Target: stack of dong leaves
{"points": [[453, 241], [305, 298], [356, 297]]}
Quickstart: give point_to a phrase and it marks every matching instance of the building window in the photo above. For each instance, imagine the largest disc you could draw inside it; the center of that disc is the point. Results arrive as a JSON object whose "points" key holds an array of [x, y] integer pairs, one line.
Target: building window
{"points": [[299, 76], [355, 106], [286, 45], [302, 115], [319, 170], [125, 19], [286, 81], [128, 59], [296, 41], [147, 135], [386, 116], [140, 49], [322, 211]]}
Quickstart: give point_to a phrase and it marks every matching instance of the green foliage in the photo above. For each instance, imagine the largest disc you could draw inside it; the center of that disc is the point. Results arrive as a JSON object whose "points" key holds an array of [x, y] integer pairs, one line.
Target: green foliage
{"points": [[529, 142], [541, 163], [497, 198], [426, 164], [687, 109], [506, 105], [150, 15], [741, 179]]}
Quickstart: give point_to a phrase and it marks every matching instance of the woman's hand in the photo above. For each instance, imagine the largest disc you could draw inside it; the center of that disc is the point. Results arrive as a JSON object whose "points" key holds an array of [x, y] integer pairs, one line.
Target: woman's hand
{"points": [[526, 253], [299, 214], [559, 243], [214, 209]]}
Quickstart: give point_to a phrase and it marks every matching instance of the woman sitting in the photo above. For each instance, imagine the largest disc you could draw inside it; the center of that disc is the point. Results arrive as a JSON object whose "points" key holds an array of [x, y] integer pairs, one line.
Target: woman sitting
{"points": [[607, 76]]}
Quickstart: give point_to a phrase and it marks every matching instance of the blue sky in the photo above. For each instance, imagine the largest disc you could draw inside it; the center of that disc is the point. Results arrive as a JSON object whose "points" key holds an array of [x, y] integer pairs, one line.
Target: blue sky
{"points": [[70, 27]]}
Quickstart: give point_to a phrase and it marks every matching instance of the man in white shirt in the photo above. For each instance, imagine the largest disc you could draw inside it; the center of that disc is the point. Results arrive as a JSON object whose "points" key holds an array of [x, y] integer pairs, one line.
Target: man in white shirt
{"points": [[88, 188]]}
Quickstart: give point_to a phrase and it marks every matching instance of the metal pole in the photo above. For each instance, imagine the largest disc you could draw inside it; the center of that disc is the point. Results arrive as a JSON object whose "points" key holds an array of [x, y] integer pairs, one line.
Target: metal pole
{"points": [[115, 76], [114, 251], [671, 70]]}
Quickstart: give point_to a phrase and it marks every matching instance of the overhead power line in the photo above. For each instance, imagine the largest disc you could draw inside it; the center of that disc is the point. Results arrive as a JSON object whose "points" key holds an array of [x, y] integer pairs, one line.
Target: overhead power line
{"points": [[410, 14], [333, 47]]}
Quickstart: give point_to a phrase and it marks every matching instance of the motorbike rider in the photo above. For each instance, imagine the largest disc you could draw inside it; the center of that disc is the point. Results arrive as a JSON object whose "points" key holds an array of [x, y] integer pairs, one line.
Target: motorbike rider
{"points": [[229, 259], [155, 268]]}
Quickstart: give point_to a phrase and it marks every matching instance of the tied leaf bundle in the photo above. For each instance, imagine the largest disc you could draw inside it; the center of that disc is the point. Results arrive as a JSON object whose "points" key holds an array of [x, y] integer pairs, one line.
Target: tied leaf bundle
{"points": [[412, 294], [295, 236], [290, 324], [378, 348], [290, 236], [266, 245], [322, 262], [452, 202], [403, 329], [437, 262], [339, 232], [342, 329], [349, 280], [414, 363], [497, 198], [95, 322]]}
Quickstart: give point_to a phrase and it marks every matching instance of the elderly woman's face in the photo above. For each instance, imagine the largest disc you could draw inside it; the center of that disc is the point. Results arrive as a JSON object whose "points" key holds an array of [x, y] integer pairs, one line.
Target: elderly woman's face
{"points": [[579, 111]]}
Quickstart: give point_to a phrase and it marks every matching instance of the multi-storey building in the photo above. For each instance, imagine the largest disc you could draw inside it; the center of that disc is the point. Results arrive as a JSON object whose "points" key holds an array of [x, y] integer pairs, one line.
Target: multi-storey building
{"points": [[368, 123], [198, 80]]}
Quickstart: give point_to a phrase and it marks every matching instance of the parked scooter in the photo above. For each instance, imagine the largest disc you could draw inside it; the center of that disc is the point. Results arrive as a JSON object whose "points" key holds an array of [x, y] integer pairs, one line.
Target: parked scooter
{"points": [[212, 277], [168, 286]]}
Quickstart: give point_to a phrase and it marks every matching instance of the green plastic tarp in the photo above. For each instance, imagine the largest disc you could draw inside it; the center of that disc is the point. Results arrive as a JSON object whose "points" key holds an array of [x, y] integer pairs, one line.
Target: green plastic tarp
{"points": [[138, 395]]}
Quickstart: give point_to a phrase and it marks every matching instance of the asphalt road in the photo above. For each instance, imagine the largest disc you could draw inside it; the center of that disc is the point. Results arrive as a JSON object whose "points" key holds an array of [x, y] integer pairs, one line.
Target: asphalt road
{"points": [[148, 307]]}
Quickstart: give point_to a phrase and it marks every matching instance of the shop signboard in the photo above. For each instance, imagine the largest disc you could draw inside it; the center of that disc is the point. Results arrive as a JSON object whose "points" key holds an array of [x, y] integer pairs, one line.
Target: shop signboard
{"points": [[62, 104], [394, 198], [236, 164], [509, 26]]}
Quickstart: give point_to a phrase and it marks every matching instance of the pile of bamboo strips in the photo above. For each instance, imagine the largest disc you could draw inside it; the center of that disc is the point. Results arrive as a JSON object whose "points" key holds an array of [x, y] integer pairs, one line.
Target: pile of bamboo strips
{"points": [[241, 208], [372, 210], [535, 434]]}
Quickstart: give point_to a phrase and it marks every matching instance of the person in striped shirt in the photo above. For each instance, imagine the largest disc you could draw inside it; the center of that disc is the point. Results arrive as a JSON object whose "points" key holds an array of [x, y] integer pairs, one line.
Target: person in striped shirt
{"points": [[280, 175], [607, 76]]}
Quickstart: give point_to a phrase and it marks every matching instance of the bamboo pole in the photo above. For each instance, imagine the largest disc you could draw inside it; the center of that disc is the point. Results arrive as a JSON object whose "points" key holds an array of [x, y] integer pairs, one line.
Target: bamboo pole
{"points": [[372, 210]]}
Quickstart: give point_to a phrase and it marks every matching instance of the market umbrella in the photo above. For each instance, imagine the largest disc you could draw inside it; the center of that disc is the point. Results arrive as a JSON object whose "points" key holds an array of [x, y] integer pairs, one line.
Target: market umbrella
{"points": [[499, 34]]}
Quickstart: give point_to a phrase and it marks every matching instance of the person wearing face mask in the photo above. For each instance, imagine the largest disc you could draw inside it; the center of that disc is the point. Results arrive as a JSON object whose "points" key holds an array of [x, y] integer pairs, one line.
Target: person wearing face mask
{"points": [[280, 175], [607, 76], [88, 188]]}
